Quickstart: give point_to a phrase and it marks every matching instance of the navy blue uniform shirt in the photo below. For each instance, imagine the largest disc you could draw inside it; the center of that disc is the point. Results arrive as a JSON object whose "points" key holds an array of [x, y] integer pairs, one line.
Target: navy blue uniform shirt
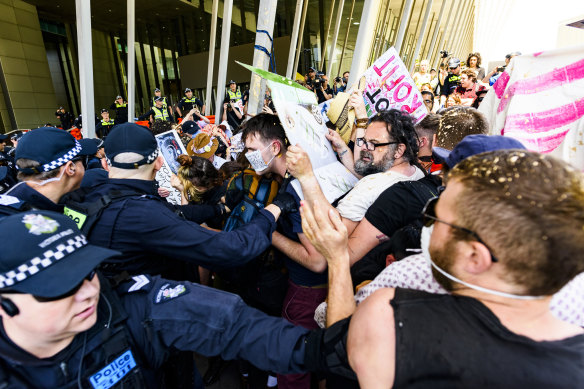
{"points": [[150, 234], [27, 194]]}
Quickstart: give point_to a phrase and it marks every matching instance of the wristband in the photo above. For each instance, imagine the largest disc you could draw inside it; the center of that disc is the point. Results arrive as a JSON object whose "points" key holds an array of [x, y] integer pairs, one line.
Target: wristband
{"points": [[362, 121]]}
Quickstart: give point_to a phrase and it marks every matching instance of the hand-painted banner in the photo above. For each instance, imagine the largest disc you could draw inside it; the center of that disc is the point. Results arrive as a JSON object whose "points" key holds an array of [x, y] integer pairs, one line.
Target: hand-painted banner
{"points": [[170, 147], [539, 100], [302, 120], [388, 84]]}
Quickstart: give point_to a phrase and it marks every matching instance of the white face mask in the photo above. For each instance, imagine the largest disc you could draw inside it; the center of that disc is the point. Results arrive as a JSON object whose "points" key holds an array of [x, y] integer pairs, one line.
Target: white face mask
{"points": [[257, 161], [425, 242]]}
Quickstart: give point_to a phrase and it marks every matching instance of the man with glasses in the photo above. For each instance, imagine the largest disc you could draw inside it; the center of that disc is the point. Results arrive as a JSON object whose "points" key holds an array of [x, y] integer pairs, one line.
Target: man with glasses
{"points": [[50, 163], [64, 325], [428, 98], [503, 238]]}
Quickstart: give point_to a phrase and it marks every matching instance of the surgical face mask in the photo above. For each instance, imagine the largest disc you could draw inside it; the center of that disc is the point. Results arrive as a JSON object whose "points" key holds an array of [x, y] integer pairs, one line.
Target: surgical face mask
{"points": [[425, 243], [257, 161]]}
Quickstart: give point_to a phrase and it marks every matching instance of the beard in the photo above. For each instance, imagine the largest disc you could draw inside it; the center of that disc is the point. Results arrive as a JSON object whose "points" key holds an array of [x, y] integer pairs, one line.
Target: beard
{"points": [[443, 257], [365, 168]]}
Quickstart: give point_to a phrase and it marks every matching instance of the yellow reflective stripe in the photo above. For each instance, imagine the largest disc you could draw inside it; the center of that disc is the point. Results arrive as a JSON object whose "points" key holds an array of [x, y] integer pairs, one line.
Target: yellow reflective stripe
{"points": [[77, 217]]}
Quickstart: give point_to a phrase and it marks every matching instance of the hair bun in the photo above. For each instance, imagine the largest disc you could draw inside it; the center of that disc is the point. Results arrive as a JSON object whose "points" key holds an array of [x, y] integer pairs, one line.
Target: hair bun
{"points": [[184, 160]]}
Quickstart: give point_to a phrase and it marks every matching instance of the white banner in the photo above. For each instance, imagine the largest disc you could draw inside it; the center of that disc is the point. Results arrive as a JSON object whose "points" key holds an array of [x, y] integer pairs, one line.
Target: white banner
{"points": [[170, 147]]}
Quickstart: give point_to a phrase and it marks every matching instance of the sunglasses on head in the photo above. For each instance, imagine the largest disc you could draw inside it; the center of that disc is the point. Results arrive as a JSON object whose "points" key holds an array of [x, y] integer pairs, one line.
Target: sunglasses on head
{"points": [[429, 217], [75, 289]]}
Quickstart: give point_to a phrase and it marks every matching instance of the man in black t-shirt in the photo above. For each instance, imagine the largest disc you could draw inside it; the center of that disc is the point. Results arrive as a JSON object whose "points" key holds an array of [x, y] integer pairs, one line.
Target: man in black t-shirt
{"points": [[322, 89]]}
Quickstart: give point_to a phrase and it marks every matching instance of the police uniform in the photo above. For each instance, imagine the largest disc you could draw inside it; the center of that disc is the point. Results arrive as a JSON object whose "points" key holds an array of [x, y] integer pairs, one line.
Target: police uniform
{"points": [[51, 148], [141, 322], [147, 229], [234, 95], [452, 81], [121, 111], [104, 127], [159, 114], [187, 104]]}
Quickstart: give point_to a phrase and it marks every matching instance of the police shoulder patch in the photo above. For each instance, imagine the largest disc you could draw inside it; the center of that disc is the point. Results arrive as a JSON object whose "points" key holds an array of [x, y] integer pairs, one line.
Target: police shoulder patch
{"points": [[170, 291], [139, 283]]}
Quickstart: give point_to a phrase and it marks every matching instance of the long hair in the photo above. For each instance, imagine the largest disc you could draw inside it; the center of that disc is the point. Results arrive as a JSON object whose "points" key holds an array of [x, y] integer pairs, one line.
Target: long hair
{"points": [[197, 176]]}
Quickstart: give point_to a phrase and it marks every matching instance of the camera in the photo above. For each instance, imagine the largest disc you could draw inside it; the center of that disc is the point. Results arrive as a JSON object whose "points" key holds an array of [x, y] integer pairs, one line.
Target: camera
{"points": [[232, 101], [337, 79], [501, 69], [444, 54]]}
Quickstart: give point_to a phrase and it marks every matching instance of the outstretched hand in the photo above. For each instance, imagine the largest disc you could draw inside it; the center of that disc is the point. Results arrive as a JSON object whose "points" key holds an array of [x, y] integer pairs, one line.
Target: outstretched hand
{"points": [[356, 101], [297, 162], [325, 230]]}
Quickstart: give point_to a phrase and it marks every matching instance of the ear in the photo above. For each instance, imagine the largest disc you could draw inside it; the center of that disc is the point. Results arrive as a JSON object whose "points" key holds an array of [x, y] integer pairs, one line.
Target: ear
{"points": [[158, 163], [478, 257], [423, 141], [399, 152], [70, 168], [104, 164], [276, 148]]}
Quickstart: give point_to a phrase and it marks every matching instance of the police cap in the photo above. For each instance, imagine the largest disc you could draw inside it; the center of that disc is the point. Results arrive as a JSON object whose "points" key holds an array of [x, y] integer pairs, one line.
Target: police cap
{"points": [[51, 147], [188, 90], [131, 138], [89, 144], [158, 98], [104, 110], [231, 82], [156, 90], [45, 255], [3, 136], [16, 135], [453, 63]]}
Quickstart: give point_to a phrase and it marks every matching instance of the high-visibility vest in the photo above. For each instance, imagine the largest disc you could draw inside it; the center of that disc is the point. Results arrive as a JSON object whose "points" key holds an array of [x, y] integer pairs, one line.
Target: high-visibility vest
{"points": [[160, 114], [107, 123], [121, 105], [164, 103], [234, 95], [191, 100]]}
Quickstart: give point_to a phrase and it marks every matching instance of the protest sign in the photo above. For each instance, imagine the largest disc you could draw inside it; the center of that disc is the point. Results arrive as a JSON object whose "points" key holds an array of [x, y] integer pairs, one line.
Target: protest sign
{"points": [[539, 100], [388, 84], [302, 120], [170, 147]]}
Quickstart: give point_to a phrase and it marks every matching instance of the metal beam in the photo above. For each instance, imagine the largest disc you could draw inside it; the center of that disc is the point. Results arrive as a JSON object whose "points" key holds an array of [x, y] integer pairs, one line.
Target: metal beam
{"points": [[300, 35], [328, 30], [459, 29], [403, 25], [294, 40], [257, 86], [335, 37], [223, 57], [83, 13], [421, 35], [444, 32], [346, 37], [211, 62], [131, 60], [436, 29], [364, 40]]}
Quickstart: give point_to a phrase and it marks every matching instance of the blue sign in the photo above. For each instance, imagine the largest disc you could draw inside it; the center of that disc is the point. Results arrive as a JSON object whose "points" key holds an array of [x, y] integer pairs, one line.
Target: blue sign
{"points": [[114, 372]]}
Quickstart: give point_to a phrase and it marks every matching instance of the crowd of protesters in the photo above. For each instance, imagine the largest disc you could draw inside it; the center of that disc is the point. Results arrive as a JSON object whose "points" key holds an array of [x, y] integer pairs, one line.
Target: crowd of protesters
{"points": [[455, 260]]}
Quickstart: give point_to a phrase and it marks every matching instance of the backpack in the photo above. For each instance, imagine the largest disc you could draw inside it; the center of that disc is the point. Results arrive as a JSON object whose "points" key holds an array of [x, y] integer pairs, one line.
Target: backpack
{"points": [[262, 282], [258, 191]]}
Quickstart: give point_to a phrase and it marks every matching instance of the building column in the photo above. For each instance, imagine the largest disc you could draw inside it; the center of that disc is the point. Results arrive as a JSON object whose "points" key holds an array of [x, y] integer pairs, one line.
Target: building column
{"points": [[364, 40], [436, 29], [131, 34], [223, 58], [83, 14], [403, 26], [335, 37], [211, 57], [290, 71], [257, 87], [421, 36]]}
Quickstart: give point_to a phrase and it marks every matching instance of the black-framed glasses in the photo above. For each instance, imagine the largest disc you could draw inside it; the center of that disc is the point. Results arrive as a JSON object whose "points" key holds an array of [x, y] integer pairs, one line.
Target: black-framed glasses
{"points": [[370, 145], [88, 277], [429, 217]]}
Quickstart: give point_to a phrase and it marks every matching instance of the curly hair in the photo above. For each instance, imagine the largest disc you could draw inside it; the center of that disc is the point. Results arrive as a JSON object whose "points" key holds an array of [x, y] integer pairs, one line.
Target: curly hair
{"points": [[400, 127], [197, 175], [477, 55]]}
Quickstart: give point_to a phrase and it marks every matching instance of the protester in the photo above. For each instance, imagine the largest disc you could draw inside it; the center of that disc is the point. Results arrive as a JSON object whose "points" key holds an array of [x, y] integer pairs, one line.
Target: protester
{"points": [[473, 62], [342, 82], [232, 115], [468, 88], [422, 76], [204, 146], [496, 323]]}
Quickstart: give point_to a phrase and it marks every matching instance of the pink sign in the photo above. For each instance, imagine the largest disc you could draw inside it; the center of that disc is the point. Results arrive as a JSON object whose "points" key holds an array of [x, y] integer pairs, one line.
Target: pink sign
{"points": [[388, 84]]}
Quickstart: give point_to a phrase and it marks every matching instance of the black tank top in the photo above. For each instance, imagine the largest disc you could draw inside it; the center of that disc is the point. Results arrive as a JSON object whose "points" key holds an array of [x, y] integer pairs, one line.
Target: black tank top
{"points": [[446, 341]]}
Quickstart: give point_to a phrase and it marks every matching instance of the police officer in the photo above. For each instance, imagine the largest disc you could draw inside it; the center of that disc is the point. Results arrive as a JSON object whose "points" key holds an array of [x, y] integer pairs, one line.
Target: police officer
{"points": [[189, 102], [146, 229], [3, 149], [159, 112], [121, 108], [66, 118], [158, 93], [451, 81], [104, 127], [233, 92], [65, 326]]}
